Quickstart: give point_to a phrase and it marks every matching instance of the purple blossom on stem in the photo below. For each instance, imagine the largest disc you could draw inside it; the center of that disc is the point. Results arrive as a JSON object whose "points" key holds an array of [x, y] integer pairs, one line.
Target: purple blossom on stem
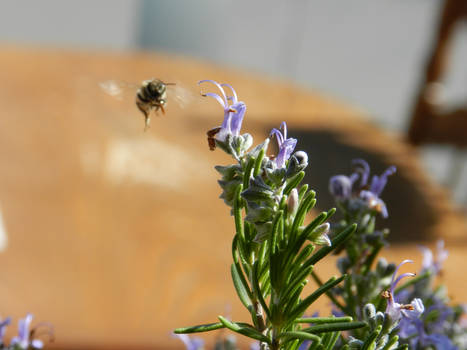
{"points": [[430, 263], [396, 310], [413, 329], [23, 340], [357, 186], [286, 145], [411, 326], [3, 325], [233, 112]]}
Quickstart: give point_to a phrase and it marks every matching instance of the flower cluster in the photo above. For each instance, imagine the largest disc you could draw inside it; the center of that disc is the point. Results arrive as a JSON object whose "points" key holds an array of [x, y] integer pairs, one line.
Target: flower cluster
{"points": [[355, 191], [25, 338], [439, 326]]}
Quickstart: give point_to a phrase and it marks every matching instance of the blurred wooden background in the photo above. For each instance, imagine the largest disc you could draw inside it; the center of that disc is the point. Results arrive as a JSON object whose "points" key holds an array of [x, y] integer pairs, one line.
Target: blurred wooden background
{"points": [[116, 236]]}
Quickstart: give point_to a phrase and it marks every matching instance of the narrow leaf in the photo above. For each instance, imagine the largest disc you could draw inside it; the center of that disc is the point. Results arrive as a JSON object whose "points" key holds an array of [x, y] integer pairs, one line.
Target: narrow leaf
{"points": [[371, 339], [238, 213], [241, 286], [247, 173], [301, 212], [200, 328], [320, 320], [300, 309], [391, 343], [258, 162], [293, 182], [334, 327], [299, 335], [258, 291], [246, 331]]}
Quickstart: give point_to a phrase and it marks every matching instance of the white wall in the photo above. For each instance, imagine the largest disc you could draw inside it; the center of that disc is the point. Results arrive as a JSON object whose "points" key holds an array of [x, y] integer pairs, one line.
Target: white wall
{"points": [[109, 24]]}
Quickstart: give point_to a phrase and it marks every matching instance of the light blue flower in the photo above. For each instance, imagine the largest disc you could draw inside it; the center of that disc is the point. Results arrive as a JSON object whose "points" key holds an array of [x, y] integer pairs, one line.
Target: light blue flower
{"points": [[233, 112], [23, 340], [393, 308], [3, 325], [356, 189], [414, 331], [286, 145], [191, 343], [434, 264]]}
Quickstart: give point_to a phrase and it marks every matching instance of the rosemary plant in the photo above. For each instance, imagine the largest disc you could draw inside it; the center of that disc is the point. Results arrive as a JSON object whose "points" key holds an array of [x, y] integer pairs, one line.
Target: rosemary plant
{"points": [[276, 246]]}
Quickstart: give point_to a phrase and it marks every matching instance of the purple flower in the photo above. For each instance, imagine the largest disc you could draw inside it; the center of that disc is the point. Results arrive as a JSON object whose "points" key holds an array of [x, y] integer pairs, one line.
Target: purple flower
{"points": [[357, 191], [3, 325], [191, 343], [23, 340], [411, 327], [444, 313], [430, 263], [396, 310], [233, 113], [286, 146], [255, 345], [414, 331], [340, 187]]}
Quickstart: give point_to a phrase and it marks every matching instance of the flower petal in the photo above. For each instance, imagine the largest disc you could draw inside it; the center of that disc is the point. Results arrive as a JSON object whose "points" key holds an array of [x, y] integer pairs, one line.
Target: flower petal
{"points": [[217, 97], [234, 94], [237, 118], [218, 86], [362, 168]]}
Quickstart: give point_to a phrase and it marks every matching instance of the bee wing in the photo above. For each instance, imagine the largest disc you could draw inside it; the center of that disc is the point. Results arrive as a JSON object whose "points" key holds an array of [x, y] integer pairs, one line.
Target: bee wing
{"points": [[118, 89], [180, 95]]}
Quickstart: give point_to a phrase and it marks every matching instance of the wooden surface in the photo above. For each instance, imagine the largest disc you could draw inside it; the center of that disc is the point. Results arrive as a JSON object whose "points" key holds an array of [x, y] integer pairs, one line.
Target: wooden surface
{"points": [[117, 236]]}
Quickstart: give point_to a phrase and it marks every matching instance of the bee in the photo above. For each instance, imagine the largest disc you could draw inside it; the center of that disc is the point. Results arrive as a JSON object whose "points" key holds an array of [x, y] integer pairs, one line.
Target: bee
{"points": [[151, 95]]}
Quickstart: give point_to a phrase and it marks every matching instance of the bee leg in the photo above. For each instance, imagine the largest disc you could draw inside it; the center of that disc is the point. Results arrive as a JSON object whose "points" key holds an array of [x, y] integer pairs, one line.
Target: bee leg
{"points": [[143, 108], [146, 122], [162, 109]]}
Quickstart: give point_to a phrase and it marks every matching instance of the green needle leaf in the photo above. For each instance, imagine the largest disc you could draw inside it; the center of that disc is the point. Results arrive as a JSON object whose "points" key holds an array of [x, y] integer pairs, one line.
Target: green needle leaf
{"points": [[294, 182], [246, 331], [241, 286], [334, 327], [247, 173], [371, 340], [258, 162], [300, 308], [320, 320], [200, 328], [299, 335]]}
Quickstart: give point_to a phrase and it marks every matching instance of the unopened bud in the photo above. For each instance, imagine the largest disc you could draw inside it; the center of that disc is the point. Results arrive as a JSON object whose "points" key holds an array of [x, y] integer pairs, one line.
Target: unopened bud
{"points": [[320, 235], [292, 204]]}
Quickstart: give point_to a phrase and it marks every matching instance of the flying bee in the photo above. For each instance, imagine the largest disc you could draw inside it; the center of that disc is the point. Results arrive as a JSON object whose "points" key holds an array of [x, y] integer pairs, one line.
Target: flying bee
{"points": [[151, 95]]}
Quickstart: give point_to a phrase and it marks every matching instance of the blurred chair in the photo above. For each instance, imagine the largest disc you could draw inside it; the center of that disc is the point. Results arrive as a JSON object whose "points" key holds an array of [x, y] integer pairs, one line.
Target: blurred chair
{"points": [[430, 122]]}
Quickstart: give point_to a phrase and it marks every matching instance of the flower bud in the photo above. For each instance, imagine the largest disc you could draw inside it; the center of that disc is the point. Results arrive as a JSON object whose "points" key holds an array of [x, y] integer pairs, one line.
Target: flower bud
{"points": [[340, 186], [292, 203], [297, 162], [369, 311], [320, 235]]}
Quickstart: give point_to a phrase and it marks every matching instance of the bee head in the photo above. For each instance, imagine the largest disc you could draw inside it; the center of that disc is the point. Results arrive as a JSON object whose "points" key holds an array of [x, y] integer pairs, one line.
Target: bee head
{"points": [[156, 87]]}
